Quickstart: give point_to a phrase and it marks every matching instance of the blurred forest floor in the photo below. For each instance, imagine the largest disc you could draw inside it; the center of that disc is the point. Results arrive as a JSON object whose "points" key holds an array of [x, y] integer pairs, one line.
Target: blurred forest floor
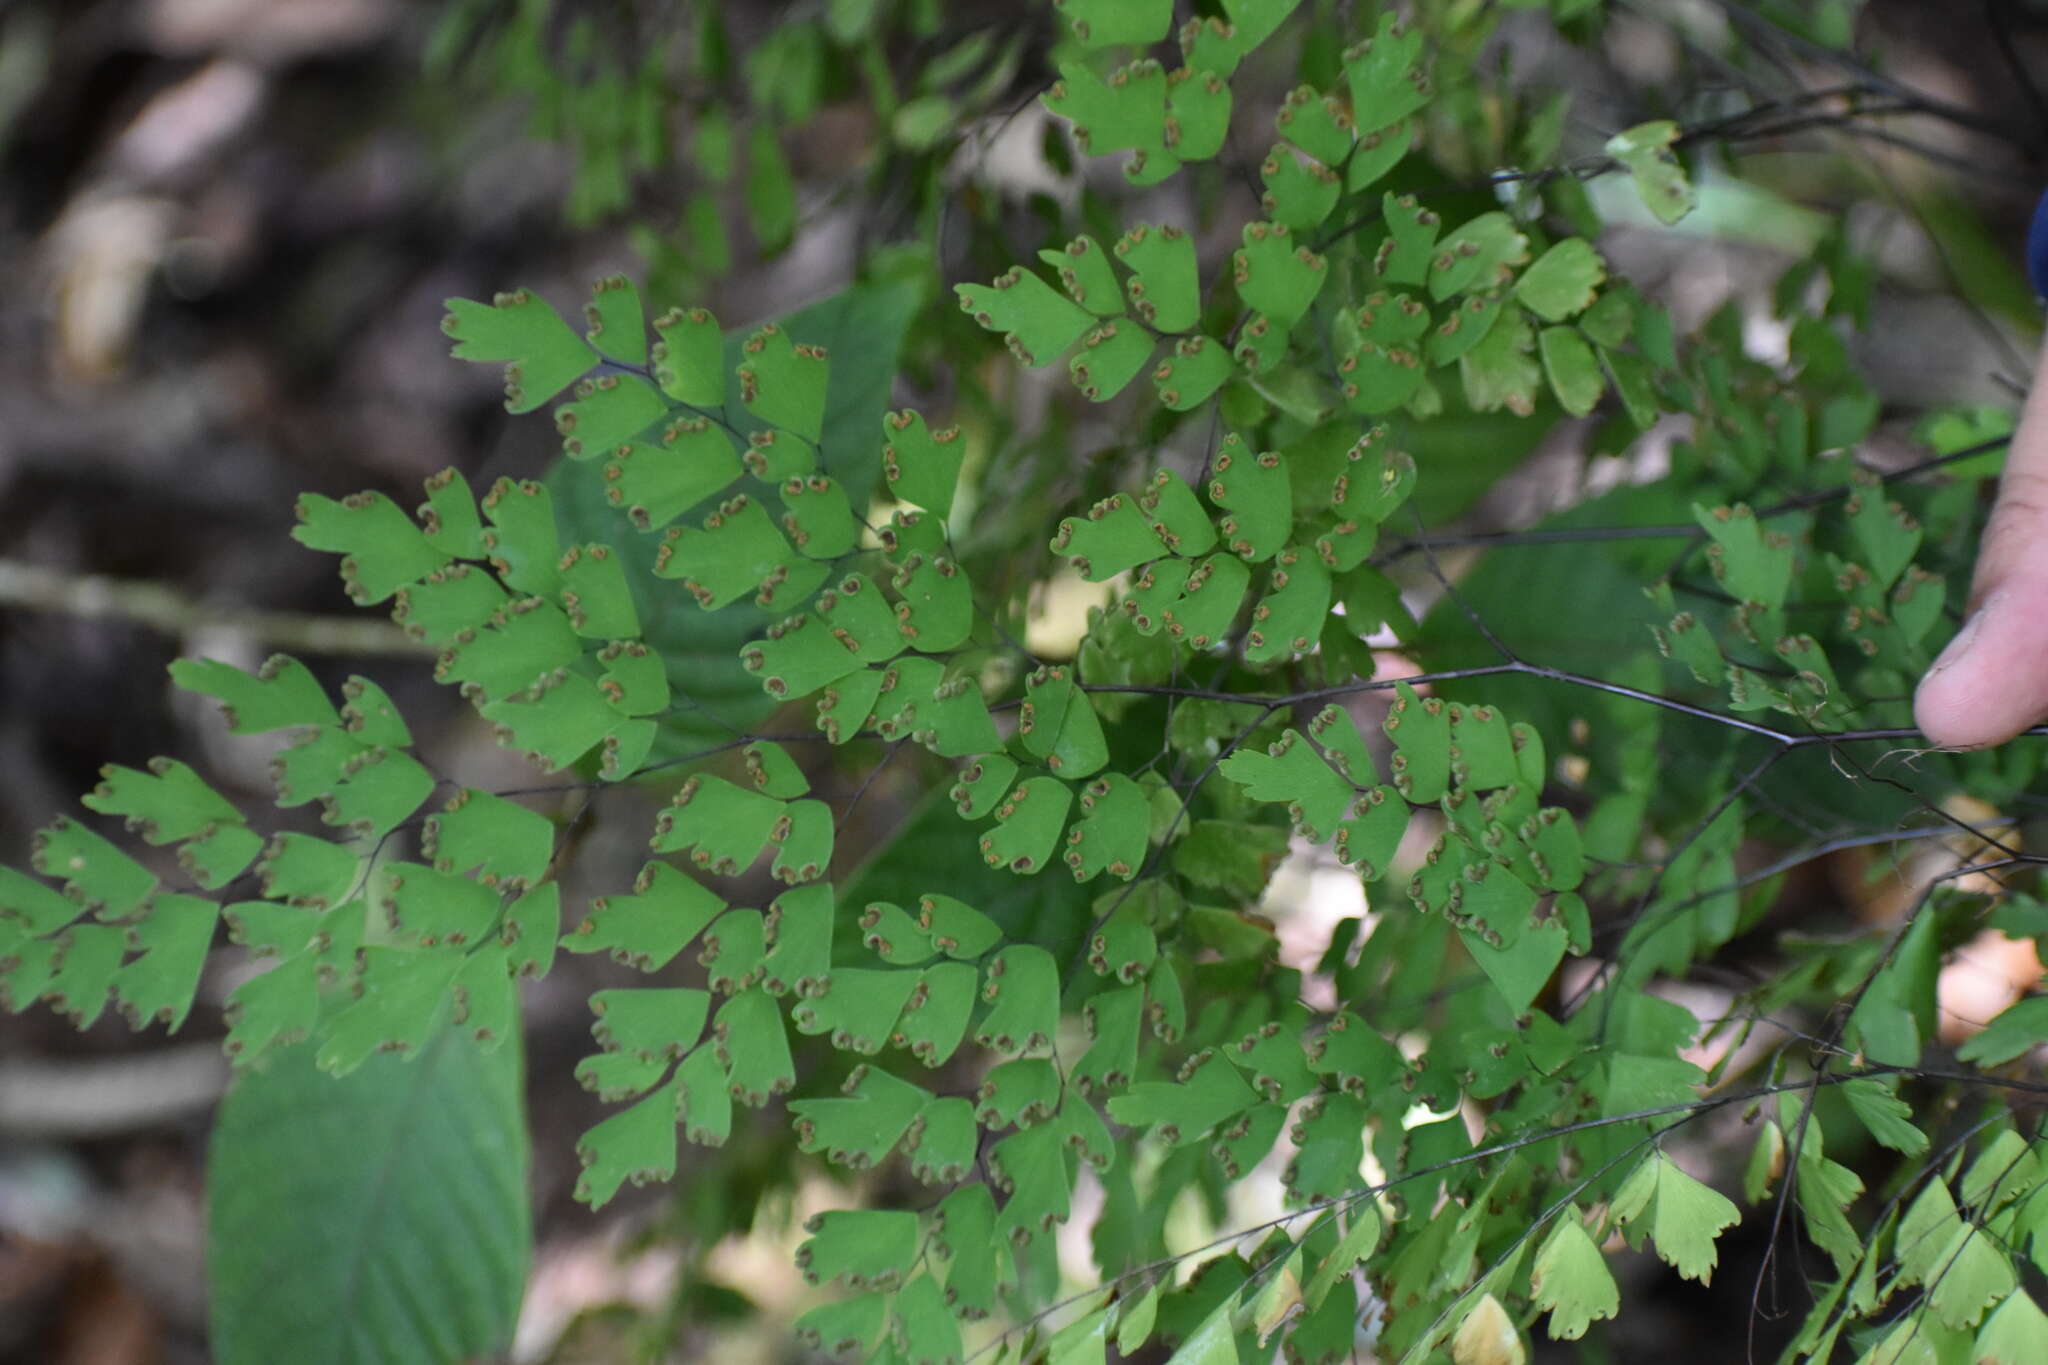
{"points": [[226, 231]]}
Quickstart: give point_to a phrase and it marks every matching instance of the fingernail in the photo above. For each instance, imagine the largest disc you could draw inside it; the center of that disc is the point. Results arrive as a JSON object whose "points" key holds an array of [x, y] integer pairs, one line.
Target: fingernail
{"points": [[1964, 638]]}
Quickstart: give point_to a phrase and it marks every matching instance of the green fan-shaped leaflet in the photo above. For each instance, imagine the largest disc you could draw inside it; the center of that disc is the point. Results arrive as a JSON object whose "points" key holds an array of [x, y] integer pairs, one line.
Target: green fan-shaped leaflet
{"points": [[1103, 23], [1110, 357], [167, 803], [503, 843], [1028, 825], [722, 826], [608, 411], [1319, 124], [1209, 601], [523, 541], [542, 356], [688, 357], [1275, 275], [1085, 274], [1299, 191], [1645, 150], [594, 593], [1037, 322], [615, 323], [1254, 491], [663, 915], [1113, 537], [1382, 72], [556, 720], [783, 382], [382, 547], [922, 465], [279, 696], [1192, 369], [1163, 286], [1124, 112], [655, 482]]}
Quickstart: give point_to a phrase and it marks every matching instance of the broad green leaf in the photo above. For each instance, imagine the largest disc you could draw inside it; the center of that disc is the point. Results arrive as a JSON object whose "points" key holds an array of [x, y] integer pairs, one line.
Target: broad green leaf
{"points": [[1057, 724], [557, 720], [722, 826], [616, 323], [1500, 372], [858, 1009], [648, 1023], [1379, 378], [1477, 255], [1421, 731], [447, 602], [945, 1140], [398, 1194], [654, 482], [1021, 1091], [965, 1234], [1290, 771]]}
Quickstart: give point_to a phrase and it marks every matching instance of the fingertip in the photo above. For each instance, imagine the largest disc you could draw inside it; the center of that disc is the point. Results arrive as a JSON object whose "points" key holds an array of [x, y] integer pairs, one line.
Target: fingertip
{"points": [[1992, 680]]}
